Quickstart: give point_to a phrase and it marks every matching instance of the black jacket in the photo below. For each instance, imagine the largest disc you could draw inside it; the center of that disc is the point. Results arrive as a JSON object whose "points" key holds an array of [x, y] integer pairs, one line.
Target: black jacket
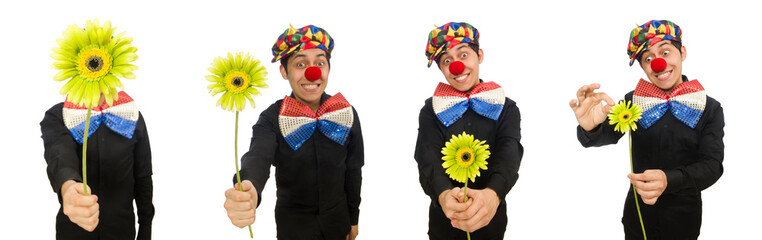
{"points": [[690, 157], [318, 184], [118, 172], [503, 137]]}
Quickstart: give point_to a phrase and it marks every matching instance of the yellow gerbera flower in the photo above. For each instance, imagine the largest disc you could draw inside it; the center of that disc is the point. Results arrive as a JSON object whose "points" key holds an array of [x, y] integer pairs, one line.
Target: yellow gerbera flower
{"points": [[624, 115], [92, 58], [464, 156], [237, 77]]}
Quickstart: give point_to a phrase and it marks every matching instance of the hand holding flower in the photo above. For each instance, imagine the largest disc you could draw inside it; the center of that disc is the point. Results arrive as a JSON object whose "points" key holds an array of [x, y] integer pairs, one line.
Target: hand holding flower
{"points": [[81, 209], [649, 184], [241, 205], [481, 209]]}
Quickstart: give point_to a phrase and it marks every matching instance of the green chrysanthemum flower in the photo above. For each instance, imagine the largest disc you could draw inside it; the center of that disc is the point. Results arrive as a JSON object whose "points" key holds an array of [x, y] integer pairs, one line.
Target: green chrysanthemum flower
{"points": [[237, 77], [92, 58], [624, 115], [464, 156]]}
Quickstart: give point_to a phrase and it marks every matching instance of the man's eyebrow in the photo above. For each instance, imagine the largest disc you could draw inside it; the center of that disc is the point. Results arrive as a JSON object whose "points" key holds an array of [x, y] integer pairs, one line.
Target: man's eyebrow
{"points": [[462, 46], [662, 44]]}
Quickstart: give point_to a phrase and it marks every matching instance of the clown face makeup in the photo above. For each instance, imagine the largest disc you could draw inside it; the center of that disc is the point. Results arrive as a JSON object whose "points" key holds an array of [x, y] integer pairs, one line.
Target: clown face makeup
{"points": [[664, 75], [461, 78], [306, 90]]}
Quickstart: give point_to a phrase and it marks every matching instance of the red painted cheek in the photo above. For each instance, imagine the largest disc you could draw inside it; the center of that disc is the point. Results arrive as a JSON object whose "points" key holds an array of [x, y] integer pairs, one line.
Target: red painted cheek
{"points": [[457, 67], [313, 73], [658, 65]]}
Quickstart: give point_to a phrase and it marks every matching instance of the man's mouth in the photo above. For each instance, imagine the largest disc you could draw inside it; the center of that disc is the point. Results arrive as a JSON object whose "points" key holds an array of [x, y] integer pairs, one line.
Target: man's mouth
{"points": [[664, 75], [310, 86], [462, 77]]}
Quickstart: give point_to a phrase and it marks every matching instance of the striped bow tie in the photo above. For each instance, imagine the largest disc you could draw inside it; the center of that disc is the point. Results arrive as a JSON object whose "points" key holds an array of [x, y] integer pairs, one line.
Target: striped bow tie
{"points": [[297, 121], [485, 98], [121, 118], [686, 102]]}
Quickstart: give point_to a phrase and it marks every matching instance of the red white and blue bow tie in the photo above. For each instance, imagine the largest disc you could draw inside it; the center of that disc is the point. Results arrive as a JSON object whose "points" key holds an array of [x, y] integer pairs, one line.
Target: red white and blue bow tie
{"points": [[485, 98], [121, 118], [686, 102], [297, 121]]}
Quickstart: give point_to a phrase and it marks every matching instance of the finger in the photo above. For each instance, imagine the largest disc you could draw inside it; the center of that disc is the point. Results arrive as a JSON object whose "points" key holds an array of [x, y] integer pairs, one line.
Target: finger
{"points": [[238, 206], [469, 212], [80, 188], [650, 201], [590, 89], [475, 222], [86, 201], [573, 104], [240, 223], [459, 206], [238, 196], [247, 185], [605, 97], [581, 93], [240, 215], [637, 177]]}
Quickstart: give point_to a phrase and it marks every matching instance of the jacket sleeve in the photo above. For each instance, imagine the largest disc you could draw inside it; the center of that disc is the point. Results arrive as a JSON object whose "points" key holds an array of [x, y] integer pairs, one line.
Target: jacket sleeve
{"points": [[428, 154], [143, 180], [61, 150], [255, 164], [707, 170], [507, 152], [353, 177]]}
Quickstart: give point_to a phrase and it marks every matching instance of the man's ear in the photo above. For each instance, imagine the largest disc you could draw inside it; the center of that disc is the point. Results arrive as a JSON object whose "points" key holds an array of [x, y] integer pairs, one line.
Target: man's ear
{"points": [[684, 52], [283, 72], [481, 56]]}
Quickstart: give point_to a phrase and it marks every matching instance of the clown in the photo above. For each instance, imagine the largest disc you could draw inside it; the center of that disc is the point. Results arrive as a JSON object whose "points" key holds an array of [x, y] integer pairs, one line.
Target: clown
{"points": [[466, 104], [314, 141], [677, 150]]}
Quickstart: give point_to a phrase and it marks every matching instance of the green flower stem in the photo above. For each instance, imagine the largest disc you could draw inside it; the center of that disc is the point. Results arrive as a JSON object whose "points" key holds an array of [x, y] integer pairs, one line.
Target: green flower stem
{"points": [[632, 170], [465, 198], [237, 173], [84, 151]]}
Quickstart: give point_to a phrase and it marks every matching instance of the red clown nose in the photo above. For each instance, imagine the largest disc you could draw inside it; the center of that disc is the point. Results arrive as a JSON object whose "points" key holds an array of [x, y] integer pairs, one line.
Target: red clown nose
{"points": [[457, 67], [658, 65], [313, 73]]}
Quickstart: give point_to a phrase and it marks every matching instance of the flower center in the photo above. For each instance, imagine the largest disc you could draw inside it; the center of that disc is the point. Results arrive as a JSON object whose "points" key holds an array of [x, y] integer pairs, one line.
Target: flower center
{"points": [[624, 116], [93, 63], [465, 157], [237, 81]]}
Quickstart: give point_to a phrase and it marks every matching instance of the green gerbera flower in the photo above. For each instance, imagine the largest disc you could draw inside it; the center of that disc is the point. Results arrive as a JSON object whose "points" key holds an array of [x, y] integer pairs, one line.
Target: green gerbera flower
{"points": [[238, 78], [464, 156], [624, 115], [92, 59]]}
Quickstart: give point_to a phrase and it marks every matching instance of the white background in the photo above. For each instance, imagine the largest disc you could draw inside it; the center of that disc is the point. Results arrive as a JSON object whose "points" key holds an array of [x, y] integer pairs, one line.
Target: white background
{"points": [[539, 51]]}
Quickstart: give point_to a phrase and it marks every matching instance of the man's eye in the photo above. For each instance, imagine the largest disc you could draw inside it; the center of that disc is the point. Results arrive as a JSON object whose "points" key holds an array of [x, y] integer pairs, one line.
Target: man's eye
{"points": [[320, 64], [648, 59], [447, 61], [665, 52], [300, 64], [463, 55]]}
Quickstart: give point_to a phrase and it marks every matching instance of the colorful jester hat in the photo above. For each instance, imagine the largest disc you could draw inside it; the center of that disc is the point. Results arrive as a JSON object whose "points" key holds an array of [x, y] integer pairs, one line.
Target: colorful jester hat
{"points": [[650, 33], [447, 36], [294, 40], [92, 59]]}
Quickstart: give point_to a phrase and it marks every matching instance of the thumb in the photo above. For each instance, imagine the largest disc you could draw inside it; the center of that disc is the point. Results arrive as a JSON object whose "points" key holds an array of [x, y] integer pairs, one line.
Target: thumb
{"points": [[636, 176]]}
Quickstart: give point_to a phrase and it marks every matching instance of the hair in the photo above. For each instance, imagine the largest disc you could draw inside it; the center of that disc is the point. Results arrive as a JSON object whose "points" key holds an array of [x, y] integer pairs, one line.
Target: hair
{"points": [[284, 61], [471, 45], [677, 45]]}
